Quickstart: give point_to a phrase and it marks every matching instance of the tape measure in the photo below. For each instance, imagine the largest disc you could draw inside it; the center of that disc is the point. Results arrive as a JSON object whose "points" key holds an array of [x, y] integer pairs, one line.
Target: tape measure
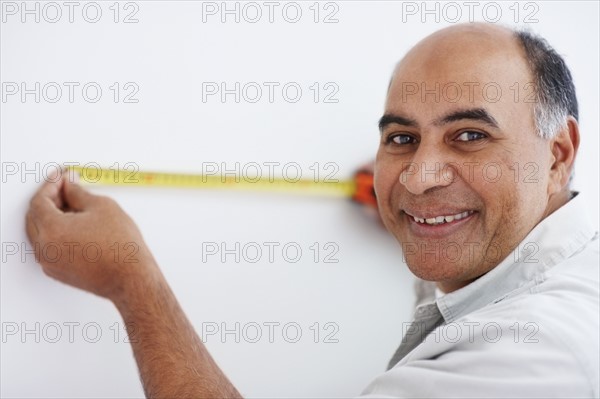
{"points": [[359, 189]]}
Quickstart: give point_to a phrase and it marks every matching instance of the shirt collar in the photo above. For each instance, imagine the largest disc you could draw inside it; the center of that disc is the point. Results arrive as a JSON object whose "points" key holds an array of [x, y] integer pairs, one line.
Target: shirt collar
{"points": [[554, 239]]}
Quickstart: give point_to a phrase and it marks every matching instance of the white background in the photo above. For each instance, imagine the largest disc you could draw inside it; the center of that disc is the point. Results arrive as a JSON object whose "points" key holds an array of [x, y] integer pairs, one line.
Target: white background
{"points": [[168, 53]]}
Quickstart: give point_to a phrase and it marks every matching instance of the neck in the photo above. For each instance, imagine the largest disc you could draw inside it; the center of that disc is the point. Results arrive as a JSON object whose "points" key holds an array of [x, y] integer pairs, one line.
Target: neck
{"points": [[557, 200]]}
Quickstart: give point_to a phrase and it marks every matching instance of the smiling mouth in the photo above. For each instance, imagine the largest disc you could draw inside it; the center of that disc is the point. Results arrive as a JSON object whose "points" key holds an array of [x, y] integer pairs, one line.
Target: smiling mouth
{"points": [[442, 219]]}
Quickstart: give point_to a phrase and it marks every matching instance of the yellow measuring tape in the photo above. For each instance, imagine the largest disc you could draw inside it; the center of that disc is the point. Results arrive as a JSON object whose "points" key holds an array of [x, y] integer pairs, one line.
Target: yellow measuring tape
{"points": [[119, 177]]}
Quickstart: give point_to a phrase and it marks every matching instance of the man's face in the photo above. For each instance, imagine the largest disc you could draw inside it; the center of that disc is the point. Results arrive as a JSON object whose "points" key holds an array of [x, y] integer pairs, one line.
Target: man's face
{"points": [[461, 176]]}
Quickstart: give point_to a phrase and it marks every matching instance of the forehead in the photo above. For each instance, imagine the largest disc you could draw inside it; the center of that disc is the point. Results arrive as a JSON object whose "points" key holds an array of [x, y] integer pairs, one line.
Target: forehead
{"points": [[463, 69]]}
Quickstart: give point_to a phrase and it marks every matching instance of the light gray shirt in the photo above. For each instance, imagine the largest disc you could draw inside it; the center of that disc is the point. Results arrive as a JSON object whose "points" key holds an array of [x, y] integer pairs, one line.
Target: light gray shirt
{"points": [[528, 328]]}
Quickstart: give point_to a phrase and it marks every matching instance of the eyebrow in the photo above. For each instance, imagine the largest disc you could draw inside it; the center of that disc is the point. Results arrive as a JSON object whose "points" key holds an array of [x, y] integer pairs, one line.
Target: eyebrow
{"points": [[476, 114], [388, 119]]}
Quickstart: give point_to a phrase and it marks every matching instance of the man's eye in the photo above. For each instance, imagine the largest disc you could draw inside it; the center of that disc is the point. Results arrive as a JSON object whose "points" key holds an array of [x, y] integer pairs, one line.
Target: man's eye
{"points": [[470, 136], [401, 139]]}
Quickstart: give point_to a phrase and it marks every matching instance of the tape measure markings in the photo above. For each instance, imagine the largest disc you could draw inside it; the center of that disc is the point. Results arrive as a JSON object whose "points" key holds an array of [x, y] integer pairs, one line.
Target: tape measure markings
{"points": [[342, 188]]}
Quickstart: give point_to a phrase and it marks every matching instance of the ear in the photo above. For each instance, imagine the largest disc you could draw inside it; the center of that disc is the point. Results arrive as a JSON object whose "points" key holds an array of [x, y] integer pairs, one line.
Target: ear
{"points": [[564, 150]]}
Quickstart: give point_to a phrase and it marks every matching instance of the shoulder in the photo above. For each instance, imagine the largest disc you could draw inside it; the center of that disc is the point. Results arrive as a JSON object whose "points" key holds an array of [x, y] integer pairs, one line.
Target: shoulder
{"points": [[547, 335], [541, 340]]}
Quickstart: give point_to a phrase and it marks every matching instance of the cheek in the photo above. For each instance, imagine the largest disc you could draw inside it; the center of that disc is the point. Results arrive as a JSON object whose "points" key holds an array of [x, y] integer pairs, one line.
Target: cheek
{"points": [[532, 190], [385, 182], [512, 191], [384, 178]]}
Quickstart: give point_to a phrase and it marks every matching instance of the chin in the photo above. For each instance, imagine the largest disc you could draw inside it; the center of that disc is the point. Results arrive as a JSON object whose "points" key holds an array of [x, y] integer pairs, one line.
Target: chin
{"points": [[438, 271]]}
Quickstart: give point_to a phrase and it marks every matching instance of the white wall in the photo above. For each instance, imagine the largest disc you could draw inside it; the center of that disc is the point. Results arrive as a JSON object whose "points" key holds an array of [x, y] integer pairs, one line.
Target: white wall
{"points": [[167, 54]]}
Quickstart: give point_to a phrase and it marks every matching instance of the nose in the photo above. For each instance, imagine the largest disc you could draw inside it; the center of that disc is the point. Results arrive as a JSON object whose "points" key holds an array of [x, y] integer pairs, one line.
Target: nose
{"points": [[430, 167]]}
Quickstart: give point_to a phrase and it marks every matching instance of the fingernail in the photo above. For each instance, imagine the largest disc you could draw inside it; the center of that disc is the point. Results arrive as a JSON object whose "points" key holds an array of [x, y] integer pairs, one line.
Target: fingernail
{"points": [[53, 176]]}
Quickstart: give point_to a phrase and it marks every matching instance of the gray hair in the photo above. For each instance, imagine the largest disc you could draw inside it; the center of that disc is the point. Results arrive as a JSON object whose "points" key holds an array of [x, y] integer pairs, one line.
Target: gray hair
{"points": [[555, 92]]}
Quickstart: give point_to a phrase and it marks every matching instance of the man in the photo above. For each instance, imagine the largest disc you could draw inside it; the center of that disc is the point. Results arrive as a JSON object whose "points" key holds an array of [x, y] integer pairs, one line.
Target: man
{"points": [[473, 181]]}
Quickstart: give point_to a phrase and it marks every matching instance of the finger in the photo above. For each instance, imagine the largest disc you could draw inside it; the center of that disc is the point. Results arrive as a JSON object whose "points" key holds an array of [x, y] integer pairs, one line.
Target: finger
{"points": [[33, 231], [47, 201], [56, 177], [76, 197]]}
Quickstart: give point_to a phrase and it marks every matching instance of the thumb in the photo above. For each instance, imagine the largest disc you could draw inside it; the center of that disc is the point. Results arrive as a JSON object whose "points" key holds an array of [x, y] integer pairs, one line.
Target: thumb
{"points": [[76, 197]]}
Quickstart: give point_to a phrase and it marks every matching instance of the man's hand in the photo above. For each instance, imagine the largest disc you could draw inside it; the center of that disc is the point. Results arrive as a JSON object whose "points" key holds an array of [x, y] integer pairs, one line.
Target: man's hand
{"points": [[87, 241]]}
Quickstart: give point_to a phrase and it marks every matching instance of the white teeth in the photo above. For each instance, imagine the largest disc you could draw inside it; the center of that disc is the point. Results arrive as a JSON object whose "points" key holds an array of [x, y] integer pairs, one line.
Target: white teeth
{"points": [[461, 215], [442, 219]]}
